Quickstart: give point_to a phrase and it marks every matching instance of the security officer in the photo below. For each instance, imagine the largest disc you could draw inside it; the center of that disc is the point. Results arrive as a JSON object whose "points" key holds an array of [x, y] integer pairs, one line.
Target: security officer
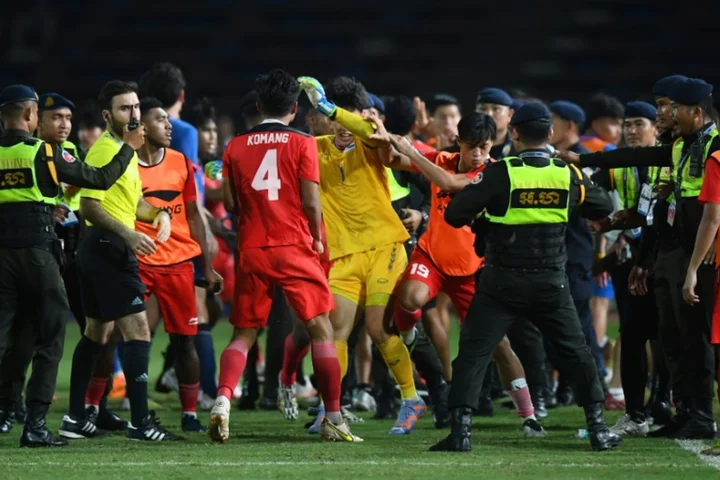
{"points": [[30, 252], [684, 329], [528, 200], [499, 105]]}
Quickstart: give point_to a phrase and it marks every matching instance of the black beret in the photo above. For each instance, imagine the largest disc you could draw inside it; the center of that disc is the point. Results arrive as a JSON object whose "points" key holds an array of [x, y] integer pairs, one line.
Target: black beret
{"points": [[568, 110], [494, 95], [530, 112], [640, 109], [662, 86], [53, 101], [17, 94], [690, 91]]}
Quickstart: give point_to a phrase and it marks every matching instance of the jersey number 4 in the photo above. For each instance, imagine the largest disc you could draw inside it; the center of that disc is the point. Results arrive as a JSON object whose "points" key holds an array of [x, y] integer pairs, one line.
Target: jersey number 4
{"points": [[266, 177]]}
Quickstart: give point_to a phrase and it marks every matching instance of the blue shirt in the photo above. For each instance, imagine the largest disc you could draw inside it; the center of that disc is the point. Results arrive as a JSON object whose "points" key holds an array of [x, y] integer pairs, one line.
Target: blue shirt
{"points": [[185, 141]]}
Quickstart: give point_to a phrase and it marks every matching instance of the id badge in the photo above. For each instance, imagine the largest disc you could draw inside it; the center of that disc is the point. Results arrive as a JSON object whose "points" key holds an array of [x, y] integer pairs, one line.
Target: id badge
{"points": [[71, 219], [636, 232], [645, 199], [671, 214], [651, 214]]}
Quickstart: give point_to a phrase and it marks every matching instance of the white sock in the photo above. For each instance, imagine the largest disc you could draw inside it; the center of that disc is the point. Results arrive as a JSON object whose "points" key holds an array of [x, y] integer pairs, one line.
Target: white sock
{"points": [[192, 414], [408, 337]]}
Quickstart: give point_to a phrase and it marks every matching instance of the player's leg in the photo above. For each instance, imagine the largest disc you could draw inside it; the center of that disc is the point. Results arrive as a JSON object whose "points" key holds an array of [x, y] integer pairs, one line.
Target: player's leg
{"points": [[295, 348], [386, 268], [438, 334]]}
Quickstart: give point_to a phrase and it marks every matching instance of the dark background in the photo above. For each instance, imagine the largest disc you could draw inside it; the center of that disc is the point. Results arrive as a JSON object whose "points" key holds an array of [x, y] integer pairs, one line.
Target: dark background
{"points": [[556, 49]]}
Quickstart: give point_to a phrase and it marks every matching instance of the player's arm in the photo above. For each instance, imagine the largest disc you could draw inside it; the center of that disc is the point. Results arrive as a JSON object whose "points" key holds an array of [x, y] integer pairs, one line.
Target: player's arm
{"points": [[309, 175], [594, 202], [160, 219], [92, 210], [439, 176], [201, 235], [471, 201], [228, 184], [311, 206], [79, 174]]}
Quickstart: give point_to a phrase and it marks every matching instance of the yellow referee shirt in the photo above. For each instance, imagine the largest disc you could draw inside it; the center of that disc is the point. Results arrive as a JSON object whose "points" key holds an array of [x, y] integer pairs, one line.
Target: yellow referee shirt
{"points": [[119, 201], [354, 193]]}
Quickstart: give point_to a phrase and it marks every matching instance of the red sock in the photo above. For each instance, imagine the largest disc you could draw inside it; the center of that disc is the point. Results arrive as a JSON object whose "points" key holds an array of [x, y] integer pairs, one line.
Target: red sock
{"points": [[405, 320], [292, 358], [520, 395], [327, 373], [189, 397], [96, 390], [232, 365]]}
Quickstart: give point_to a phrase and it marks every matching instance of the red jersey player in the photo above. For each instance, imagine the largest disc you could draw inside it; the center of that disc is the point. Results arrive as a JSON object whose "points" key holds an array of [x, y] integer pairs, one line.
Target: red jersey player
{"points": [[273, 178], [435, 267]]}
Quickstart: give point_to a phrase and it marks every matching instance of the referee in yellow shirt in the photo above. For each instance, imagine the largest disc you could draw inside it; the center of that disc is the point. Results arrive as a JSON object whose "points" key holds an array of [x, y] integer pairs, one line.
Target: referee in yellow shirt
{"points": [[108, 270], [364, 234]]}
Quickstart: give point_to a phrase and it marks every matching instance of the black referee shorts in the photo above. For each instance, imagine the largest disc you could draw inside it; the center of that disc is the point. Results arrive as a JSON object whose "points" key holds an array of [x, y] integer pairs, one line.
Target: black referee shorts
{"points": [[109, 278]]}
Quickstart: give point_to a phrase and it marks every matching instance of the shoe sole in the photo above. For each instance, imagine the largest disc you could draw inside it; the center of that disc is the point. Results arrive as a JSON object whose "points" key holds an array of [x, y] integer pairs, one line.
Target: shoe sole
{"points": [[216, 422], [73, 436]]}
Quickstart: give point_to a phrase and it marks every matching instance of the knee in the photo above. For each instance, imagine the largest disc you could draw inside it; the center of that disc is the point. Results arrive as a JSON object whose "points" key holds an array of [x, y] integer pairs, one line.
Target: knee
{"points": [[135, 327], [318, 329], [98, 332], [184, 344], [412, 298]]}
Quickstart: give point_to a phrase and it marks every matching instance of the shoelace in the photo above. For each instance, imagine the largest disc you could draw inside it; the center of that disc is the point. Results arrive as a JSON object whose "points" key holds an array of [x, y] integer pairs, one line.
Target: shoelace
{"points": [[155, 422]]}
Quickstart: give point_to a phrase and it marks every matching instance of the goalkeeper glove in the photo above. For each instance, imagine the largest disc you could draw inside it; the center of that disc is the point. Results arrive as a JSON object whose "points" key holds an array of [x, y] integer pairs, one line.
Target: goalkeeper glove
{"points": [[316, 94], [213, 170]]}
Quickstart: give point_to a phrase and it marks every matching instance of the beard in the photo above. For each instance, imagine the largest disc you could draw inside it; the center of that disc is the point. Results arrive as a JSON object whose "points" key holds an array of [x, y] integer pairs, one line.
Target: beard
{"points": [[116, 126]]}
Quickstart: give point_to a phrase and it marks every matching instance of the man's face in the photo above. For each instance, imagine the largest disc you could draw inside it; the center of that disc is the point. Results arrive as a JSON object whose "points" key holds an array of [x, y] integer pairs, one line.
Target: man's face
{"points": [[639, 132], [665, 119], [124, 107], [500, 113], [473, 156], [56, 125], [208, 140], [88, 135], [685, 117], [608, 129], [561, 129], [445, 120], [343, 137], [320, 125], [157, 127]]}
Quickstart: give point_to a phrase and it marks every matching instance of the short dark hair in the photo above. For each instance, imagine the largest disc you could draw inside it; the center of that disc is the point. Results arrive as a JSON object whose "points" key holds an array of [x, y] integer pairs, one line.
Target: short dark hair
{"points": [[348, 93], [163, 81], [475, 129], [441, 100], [277, 92], [603, 105], [112, 89], [201, 112], [148, 103], [534, 133], [89, 115], [248, 105], [400, 113]]}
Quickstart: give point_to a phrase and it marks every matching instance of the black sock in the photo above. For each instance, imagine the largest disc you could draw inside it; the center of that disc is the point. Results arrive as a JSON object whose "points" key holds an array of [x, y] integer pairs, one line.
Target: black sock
{"points": [[83, 366], [135, 366], [108, 389]]}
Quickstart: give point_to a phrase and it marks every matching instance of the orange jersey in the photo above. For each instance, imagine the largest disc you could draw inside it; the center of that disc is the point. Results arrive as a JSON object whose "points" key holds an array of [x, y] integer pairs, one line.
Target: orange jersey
{"points": [[452, 249], [168, 186]]}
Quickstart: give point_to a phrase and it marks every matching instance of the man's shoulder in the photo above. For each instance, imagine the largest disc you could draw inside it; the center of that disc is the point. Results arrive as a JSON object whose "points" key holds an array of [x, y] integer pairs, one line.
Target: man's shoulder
{"points": [[103, 150], [181, 127]]}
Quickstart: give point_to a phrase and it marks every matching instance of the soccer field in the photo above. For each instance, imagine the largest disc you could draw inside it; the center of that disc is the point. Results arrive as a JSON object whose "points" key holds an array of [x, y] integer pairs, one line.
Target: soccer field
{"points": [[264, 445]]}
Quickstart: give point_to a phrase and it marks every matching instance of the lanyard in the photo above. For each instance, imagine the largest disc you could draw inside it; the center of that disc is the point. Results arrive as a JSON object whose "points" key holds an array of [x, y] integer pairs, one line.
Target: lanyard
{"points": [[525, 155], [684, 159]]}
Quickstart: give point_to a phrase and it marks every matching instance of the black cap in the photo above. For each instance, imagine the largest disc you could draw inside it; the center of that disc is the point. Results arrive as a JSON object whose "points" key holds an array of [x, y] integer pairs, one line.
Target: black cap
{"points": [[641, 110], [17, 94], [568, 111], [530, 112], [690, 91], [494, 95], [53, 101]]}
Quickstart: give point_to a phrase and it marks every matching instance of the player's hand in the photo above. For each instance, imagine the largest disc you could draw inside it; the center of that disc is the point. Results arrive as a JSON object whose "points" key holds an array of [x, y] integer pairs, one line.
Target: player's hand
{"points": [[689, 288], [213, 170], [60, 212], [316, 94], [602, 279], [637, 281], [620, 217], [163, 225], [381, 134], [214, 279], [412, 219], [134, 138], [212, 243], [567, 156], [422, 120], [599, 226], [140, 243], [318, 247], [710, 256], [402, 145]]}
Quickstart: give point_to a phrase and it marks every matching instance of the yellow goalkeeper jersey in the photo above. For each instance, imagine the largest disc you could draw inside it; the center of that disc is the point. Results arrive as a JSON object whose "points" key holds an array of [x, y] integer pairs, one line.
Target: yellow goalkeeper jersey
{"points": [[354, 193]]}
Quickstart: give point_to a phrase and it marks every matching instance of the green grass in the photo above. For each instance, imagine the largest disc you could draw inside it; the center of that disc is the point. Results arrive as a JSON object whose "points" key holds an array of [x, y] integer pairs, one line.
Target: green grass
{"points": [[264, 445]]}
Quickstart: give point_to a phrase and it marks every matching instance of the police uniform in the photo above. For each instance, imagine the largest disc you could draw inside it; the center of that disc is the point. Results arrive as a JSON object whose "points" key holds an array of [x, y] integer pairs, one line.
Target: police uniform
{"points": [[31, 255], [527, 202], [684, 330], [497, 96]]}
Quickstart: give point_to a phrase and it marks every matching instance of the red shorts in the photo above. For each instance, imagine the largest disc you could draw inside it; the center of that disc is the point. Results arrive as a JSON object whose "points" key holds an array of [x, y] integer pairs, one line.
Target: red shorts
{"points": [[460, 289], [224, 264], [294, 268], [174, 288]]}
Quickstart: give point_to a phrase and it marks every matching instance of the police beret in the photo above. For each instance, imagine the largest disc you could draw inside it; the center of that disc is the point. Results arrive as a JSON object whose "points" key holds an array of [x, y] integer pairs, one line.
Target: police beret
{"points": [[53, 101], [640, 109], [517, 103], [375, 102], [494, 95], [662, 86], [690, 91], [568, 111], [17, 94], [530, 112]]}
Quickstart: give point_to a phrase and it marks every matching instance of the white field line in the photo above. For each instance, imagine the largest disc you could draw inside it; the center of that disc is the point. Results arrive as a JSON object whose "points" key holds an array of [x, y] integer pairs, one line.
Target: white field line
{"points": [[696, 447]]}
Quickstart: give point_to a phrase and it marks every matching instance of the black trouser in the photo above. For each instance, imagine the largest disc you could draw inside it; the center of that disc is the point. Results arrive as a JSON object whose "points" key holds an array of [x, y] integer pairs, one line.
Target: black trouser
{"points": [[527, 343], [502, 297], [685, 329], [638, 324], [32, 299]]}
